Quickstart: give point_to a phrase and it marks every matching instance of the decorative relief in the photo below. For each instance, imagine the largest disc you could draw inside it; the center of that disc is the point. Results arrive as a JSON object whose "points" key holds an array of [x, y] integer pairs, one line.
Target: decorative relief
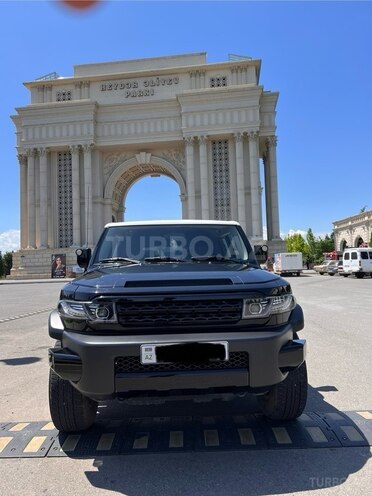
{"points": [[64, 178], [271, 141], [176, 157], [114, 160], [22, 159], [221, 180], [132, 175]]}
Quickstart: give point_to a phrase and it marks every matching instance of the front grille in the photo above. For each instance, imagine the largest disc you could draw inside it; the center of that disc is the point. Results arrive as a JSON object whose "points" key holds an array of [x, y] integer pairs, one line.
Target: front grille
{"points": [[237, 360], [178, 312]]}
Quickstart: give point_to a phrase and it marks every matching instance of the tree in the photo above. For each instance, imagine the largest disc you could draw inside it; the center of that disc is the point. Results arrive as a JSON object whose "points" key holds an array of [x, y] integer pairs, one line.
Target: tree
{"points": [[312, 253], [1, 266], [296, 243], [8, 262]]}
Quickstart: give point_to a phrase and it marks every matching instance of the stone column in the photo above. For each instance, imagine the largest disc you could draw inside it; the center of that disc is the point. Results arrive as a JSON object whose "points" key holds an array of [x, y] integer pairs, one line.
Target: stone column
{"points": [[240, 179], [43, 184], [255, 186], [23, 199], [268, 197], [31, 211], [204, 189], [190, 175], [271, 144], [183, 199], [75, 176], [88, 196]]}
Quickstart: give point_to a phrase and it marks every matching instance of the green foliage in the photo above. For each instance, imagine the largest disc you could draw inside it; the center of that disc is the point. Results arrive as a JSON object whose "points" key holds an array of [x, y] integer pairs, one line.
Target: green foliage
{"points": [[370, 240], [312, 248], [6, 262], [1, 266]]}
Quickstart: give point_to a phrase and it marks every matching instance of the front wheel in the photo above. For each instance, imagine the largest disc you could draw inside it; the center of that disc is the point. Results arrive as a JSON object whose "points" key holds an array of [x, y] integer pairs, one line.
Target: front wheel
{"points": [[359, 275], [69, 409], [286, 400]]}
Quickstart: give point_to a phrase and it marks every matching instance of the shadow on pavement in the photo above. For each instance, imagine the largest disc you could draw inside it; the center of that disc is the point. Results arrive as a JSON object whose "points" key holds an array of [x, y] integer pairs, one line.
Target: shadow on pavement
{"points": [[20, 361], [234, 472]]}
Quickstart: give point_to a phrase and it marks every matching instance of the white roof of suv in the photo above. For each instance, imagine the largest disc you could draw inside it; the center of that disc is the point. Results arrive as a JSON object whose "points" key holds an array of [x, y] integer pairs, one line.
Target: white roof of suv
{"points": [[173, 222]]}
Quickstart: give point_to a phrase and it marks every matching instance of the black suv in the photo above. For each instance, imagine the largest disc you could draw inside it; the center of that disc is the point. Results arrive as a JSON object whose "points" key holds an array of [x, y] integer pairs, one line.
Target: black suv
{"points": [[174, 307]]}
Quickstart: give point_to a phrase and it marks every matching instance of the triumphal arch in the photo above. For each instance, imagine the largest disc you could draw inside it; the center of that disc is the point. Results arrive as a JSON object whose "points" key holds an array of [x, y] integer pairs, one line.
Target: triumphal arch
{"points": [[84, 140]]}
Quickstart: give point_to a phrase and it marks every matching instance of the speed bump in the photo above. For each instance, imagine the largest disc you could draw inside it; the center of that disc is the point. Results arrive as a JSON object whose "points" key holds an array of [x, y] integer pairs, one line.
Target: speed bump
{"points": [[169, 434]]}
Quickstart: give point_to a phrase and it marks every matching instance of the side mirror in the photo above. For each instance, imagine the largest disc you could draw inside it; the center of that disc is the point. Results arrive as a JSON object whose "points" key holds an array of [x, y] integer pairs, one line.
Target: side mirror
{"points": [[262, 253], [83, 257]]}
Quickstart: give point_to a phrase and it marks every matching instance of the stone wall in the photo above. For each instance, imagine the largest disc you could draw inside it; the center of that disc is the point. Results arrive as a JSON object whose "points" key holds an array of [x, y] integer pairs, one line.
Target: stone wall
{"points": [[36, 264]]}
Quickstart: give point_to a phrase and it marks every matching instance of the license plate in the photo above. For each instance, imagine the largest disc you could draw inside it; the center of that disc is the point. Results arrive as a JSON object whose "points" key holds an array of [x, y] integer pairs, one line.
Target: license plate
{"points": [[188, 353]]}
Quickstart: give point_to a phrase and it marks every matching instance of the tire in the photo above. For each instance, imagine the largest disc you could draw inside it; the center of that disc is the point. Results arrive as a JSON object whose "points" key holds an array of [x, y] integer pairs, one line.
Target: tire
{"points": [[321, 273], [286, 400], [331, 273], [359, 275], [69, 409], [345, 275]]}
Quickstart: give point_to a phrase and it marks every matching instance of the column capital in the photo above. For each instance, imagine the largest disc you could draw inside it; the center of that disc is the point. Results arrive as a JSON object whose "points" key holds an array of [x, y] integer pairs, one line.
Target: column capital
{"points": [[22, 159], [238, 137], [271, 141], [183, 197], [74, 149], [42, 151], [87, 147], [189, 140], [203, 138], [252, 135], [30, 152]]}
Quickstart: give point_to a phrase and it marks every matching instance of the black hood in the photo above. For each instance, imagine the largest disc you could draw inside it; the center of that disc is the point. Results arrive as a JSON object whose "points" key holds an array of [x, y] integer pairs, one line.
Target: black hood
{"points": [[134, 279]]}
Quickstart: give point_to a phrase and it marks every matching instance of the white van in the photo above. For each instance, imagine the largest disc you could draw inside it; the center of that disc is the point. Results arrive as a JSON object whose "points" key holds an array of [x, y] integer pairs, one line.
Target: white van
{"points": [[357, 261]]}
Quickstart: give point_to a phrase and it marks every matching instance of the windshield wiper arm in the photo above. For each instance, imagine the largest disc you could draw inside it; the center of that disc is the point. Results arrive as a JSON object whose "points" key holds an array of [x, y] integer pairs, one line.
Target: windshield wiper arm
{"points": [[215, 258], [163, 259], [118, 259]]}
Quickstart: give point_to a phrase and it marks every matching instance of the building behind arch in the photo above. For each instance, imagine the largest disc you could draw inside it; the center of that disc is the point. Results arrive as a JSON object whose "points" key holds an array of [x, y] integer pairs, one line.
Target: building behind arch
{"points": [[84, 140], [353, 231]]}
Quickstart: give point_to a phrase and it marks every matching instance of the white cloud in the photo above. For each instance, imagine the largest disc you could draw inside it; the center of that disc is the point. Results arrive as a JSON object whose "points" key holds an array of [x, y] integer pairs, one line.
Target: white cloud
{"points": [[9, 240]]}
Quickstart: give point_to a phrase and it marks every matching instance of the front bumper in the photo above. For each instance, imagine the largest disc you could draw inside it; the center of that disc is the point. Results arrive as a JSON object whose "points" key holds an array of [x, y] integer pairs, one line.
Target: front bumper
{"points": [[89, 361]]}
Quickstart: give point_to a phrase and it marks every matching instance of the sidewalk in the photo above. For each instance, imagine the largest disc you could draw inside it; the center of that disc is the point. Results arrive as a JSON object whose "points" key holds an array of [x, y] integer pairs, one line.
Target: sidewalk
{"points": [[63, 280]]}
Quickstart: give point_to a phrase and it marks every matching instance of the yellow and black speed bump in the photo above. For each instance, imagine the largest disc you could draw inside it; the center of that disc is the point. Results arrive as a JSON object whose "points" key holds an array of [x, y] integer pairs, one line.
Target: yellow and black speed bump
{"points": [[180, 434]]}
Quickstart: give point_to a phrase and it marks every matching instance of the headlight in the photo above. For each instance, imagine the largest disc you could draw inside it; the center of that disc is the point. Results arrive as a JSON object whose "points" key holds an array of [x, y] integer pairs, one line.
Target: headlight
{"points": [[96, 312], [264, 307]]}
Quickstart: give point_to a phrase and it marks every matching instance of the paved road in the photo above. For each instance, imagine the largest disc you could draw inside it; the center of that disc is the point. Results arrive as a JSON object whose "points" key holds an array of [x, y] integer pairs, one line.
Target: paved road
{"points": [[338, 315]]}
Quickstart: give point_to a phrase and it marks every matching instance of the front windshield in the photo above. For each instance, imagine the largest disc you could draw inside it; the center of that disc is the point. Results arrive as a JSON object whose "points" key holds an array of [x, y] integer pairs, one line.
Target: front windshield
{"points": [[187, 242]]}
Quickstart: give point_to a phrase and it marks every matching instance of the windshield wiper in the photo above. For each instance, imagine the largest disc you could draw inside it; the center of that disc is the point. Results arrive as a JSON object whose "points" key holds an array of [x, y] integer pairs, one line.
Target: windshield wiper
{"points": [[216, 258], [118, 260], [163, 259]]}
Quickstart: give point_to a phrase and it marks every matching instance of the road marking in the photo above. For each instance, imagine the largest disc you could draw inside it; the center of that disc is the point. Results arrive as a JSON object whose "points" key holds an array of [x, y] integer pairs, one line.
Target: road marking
{"points": [[316, 434], [105, 442], [141, 440], [48, 427], [4, 441], [211, 437], [176, 439], [366, 415], [246, 437], [19, 427], [281, 435], [35, 444], [351, 433], [71, 442], [29, 314]]}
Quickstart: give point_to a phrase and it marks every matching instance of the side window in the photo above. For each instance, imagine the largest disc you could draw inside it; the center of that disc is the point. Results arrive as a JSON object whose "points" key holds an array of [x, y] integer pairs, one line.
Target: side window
{"points": [[347, 256], [370, 254], [364, 255], [354, 255]]}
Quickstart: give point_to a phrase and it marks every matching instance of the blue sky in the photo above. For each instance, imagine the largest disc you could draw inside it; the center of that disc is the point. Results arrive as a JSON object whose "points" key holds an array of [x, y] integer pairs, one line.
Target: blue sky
{"points": [[316, 54]]}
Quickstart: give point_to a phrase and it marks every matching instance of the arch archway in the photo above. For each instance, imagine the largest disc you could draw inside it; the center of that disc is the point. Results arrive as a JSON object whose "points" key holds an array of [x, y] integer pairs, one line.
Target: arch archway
{"points": [[131, 171], [343, 245], [358, 241]]}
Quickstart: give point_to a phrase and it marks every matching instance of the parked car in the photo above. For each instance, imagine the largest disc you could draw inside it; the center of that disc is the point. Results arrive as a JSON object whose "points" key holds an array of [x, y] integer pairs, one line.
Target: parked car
{"points": [[332, 268], [323, 267]]}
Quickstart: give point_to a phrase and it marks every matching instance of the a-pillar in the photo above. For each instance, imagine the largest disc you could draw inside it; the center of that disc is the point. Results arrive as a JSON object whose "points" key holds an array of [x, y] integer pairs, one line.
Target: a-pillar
{"points": [[88, 194], [23, 199], [254, 169], [190, 175], [274, 198], [204, 190], [43, 195], [75, 173], [240, 179], [31, 210]]}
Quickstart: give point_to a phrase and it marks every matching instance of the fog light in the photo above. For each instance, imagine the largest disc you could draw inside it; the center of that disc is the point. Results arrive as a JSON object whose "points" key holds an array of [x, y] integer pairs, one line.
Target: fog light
{"points": [[102, 313]]}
